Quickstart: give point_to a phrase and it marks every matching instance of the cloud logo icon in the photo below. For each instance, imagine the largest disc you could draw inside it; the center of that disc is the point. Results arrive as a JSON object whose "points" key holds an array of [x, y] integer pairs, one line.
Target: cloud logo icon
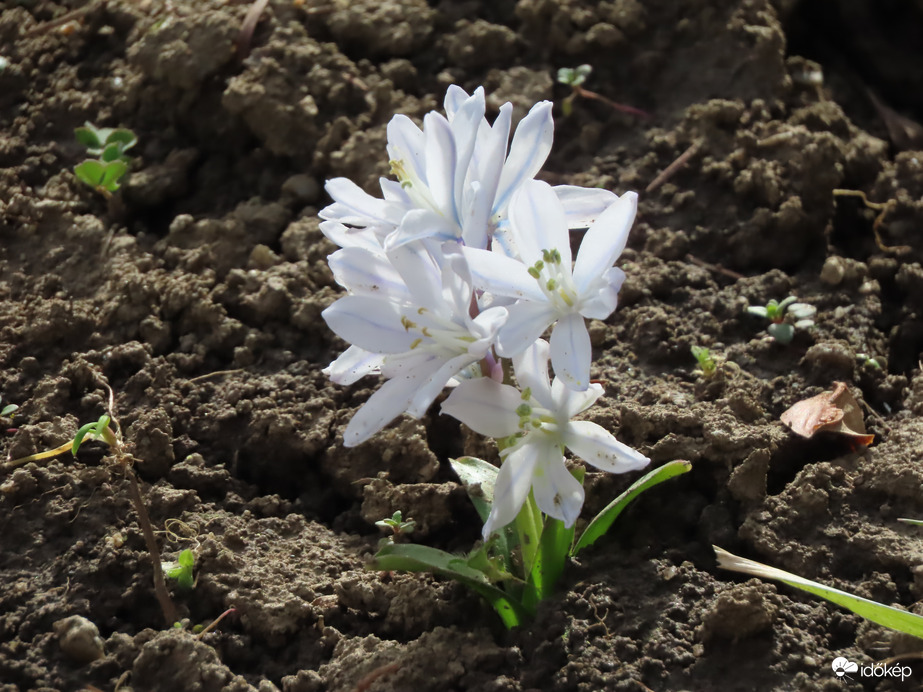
{"points": [[841, 666]]}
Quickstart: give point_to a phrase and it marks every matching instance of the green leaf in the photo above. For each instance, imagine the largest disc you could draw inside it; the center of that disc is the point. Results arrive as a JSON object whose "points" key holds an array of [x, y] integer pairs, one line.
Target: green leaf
{"points": [[186, 558], [8, 410], [479, 478], [125, 138], [421, 558], [88, 136], [602, 521], [113, 172], [112, 152], [90, 172], [783, 332], [95, 430], [881, 614]]}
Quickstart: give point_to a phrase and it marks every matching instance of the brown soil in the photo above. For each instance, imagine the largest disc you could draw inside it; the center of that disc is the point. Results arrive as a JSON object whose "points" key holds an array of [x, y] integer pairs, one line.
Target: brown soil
{"points": [[196, 292]]}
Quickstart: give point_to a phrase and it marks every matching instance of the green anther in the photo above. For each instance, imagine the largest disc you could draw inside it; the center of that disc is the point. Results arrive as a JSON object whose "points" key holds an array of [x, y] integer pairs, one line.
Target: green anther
{"points": [[426, 332], [547, 256], [415, 343], [566, 298], [534, 273], [406, 184], [407, 324], [524, 410], [526, 394], [556, 256], [551, 284]]}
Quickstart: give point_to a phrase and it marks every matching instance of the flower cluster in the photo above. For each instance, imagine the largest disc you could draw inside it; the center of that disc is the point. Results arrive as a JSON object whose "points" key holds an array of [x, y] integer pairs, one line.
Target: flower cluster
{"points": [[466, 260]]}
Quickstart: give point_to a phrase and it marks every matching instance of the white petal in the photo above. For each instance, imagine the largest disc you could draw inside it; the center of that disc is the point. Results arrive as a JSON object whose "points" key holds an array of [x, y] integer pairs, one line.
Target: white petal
{"points": [[353, 364], [511, 488], [531, 146], [603, 297], [465, 127], [605, 240], [475, 216], [405, 143], [390, 401], [485, 406], [569, 402], [418, 224], [430, 387], [597, 446], [525, 323], [537, 221], [369, 323], [502, 275], [344, 236], [571, 352], [531, 368], [352, 203], [420, 273], [557, 493], [440, 157], [363, 272], [455, 96], [583, 205], [490, 153]]}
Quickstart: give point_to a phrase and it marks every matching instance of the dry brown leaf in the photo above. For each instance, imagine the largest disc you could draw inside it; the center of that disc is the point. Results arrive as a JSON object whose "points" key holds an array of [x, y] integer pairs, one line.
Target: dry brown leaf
{"points": [[836, 411]]}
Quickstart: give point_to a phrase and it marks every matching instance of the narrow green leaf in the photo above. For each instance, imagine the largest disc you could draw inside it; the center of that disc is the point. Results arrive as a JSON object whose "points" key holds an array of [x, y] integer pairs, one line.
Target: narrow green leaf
{"points": [[602, 521], [915, 522], [881, 614], [95, 430], [421, 558]]}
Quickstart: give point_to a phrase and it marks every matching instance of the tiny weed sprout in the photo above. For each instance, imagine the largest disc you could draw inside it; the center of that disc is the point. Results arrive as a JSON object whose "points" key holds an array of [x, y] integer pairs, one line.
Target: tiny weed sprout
{"points": [[182, 569], [107, 430], [706, 361], [109, 146], [574, 77], [871, 361], [785, 317], [452, 278], [396, 524], [8, 410]]}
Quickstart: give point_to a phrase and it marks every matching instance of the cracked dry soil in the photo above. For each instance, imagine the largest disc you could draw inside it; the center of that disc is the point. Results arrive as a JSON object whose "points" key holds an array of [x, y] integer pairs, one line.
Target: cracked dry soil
{"points": [[196, 291]]}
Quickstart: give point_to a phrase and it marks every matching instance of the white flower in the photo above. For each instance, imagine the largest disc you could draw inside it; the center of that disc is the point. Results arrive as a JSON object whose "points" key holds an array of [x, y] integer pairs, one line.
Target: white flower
{"points": [[455, 179], [546, 288], [417, 332], [540, 418]]}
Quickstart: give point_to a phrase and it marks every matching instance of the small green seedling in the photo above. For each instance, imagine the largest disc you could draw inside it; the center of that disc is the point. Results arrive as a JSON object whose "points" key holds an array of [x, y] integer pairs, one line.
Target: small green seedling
{"points": [[397, 525], [705, 359], [109, 145], [574, 77], [777, 313], [8, 410], [181, 570], [866, 359], [106, 143]]}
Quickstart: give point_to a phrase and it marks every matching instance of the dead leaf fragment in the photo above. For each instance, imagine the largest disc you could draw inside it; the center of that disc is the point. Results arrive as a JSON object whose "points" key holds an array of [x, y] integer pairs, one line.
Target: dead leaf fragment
{"points": [[836, 411]]}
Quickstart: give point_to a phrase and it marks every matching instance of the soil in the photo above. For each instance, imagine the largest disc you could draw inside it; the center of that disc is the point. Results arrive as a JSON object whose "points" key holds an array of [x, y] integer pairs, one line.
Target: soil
{"points": [[196, 292]]}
